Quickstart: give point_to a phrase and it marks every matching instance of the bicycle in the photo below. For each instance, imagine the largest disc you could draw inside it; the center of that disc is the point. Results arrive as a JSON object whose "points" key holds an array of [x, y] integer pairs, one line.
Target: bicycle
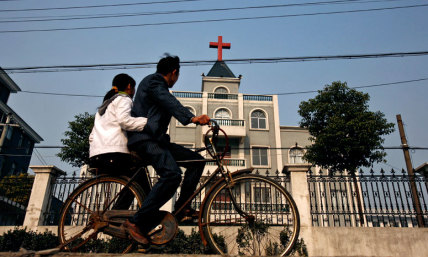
{"points": [[241, 214]]}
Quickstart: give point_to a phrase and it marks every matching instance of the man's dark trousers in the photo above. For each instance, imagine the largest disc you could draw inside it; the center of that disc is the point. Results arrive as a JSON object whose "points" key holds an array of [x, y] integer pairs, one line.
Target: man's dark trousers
{"points": [[163, 156]]}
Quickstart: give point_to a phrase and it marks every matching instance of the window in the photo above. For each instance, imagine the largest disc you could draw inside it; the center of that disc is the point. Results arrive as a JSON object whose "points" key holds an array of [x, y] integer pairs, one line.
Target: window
{"points": [[296, 155], [1, 163], [262, 195], [12, 169], [222, 113], [260, 156], [21, 141], [258, 120], [9, 133], [221, 90], [233, 146], [28, 146]]}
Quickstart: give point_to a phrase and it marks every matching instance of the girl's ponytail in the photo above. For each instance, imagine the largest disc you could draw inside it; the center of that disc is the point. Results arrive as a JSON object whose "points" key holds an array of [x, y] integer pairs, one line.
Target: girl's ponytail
{"points": [[110, 93]]}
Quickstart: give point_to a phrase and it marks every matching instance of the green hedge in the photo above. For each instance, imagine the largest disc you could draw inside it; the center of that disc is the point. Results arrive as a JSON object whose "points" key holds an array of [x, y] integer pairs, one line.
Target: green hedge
{"points": [[14, 239], [182, 243]]}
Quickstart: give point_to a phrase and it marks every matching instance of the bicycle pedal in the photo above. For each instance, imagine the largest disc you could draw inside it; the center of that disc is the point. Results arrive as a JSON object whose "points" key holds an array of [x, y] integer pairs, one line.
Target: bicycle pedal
{"points": [[141, 249], [155, 229]]}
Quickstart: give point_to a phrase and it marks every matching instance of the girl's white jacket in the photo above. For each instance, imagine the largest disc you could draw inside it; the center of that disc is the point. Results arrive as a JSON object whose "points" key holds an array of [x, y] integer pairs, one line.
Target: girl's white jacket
{"points": [[109, 132]]}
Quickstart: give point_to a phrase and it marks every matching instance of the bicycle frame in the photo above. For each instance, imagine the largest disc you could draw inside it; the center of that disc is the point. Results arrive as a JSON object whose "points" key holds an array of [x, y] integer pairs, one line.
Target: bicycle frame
{"points": [[226, 176]]}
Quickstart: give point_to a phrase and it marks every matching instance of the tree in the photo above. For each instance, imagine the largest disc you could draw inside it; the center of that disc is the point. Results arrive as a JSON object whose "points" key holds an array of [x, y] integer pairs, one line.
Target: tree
{"points": [[76, 143], [345, 134]]}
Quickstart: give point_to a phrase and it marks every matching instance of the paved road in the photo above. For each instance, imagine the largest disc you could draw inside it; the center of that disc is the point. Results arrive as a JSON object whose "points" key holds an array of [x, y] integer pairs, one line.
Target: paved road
{"points": [[32, 254]]}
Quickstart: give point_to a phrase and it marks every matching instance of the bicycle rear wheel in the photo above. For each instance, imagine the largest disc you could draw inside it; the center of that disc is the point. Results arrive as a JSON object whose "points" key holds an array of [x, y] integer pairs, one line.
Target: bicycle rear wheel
{"points": [[81, 219], [271, 227]]}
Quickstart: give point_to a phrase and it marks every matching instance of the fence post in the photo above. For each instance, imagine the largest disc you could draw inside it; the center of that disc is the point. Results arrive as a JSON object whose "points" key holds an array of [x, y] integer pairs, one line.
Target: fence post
{"points": [[300, 191], [40, 194]]}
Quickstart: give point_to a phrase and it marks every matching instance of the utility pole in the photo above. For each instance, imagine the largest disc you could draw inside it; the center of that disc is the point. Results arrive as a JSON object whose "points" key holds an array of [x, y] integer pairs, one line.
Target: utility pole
{"points": [[416, 202], [4, 132]]}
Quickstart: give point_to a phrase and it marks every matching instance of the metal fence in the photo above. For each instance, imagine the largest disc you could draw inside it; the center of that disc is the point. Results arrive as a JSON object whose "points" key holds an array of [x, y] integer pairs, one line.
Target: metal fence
{"points": [[276, 176], [229, 122], [63, 186], [367, 200], [222, 96], [187, 94], [266, 98]]}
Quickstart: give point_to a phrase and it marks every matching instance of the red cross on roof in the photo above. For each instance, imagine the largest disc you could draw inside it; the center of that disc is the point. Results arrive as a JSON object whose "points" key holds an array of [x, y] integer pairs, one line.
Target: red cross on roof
{"points": [[220, 45]]}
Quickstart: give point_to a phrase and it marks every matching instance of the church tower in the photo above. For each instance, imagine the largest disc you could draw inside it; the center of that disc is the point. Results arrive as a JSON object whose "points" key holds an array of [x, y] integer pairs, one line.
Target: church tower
{"points": [[251, 122]]}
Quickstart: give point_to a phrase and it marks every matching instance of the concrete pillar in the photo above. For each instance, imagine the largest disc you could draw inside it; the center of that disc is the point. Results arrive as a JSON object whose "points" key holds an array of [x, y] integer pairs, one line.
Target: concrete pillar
{"points": [[241, 106], [300, 191], [40, 194], [277, 129]]}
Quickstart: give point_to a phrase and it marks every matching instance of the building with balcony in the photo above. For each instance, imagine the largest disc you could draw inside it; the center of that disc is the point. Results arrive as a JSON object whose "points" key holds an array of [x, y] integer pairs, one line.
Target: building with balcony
{"points": [[17, 138], [251, 122]]}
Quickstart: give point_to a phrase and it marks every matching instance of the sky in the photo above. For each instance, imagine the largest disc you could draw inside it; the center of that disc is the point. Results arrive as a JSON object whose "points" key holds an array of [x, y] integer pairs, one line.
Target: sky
{"points": [[293, 28]]}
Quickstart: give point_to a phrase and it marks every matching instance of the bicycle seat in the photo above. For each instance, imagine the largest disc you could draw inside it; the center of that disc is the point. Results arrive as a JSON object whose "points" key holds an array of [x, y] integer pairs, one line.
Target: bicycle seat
{"points": [[111, 162]]}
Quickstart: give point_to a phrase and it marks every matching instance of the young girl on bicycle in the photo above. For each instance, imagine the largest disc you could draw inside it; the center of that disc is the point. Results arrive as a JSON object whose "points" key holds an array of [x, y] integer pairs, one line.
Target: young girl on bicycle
{"points": [[108, 149]]}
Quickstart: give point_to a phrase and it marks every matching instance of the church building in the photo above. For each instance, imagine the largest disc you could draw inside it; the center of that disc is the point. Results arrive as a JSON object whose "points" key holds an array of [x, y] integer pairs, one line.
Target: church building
{"points": [[251, 122]]}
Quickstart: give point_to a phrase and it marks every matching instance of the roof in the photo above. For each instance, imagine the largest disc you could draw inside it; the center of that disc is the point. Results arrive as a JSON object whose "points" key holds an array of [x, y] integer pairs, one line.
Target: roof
{"points": [[8, 82], [220, 69], [22, 124]]}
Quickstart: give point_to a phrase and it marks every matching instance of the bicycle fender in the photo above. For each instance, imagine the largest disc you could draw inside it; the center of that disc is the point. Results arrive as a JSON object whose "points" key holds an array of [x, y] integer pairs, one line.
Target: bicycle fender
{"points": [[200, 224]]}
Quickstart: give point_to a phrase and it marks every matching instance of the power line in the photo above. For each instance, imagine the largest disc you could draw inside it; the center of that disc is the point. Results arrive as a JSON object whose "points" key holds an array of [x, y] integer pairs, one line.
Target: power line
{"points": [[98, 6], [214, 20], [122, 15], [368, 86], [59, 94], [289, 93], [57, 68], [40, 157], [275, 148]]}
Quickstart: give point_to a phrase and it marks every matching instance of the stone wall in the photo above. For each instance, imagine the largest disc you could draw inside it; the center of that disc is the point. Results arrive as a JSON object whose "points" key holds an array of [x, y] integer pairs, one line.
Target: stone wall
{"points": [[357, 241]]}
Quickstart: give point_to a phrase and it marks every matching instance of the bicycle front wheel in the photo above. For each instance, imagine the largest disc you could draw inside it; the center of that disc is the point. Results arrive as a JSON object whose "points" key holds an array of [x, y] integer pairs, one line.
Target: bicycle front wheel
{"points": [[269, 227], [81, 219]]}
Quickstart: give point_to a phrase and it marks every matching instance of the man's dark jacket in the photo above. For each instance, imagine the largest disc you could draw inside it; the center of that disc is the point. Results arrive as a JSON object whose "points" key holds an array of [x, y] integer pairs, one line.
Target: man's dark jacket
{"points": [[154, 101]]}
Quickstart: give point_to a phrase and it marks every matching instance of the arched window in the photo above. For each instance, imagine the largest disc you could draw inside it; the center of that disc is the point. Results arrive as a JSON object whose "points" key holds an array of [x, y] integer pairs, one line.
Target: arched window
{"points": [[221, 90], [222, 113], [258, 120], [296, 155]]}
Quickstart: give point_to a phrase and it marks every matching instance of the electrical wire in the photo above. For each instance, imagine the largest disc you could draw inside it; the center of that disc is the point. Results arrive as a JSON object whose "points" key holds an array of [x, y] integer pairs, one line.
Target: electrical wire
{"points": [[58, 68], [122, 15], [275, 148], [98, 6], [60, 94], [368, 86], [214, 20], [40, 157], [279, 94]]}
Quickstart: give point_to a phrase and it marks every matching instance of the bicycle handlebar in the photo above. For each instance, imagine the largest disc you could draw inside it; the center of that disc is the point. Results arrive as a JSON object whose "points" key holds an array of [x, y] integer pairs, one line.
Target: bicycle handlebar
{"points": [[211, 139]]}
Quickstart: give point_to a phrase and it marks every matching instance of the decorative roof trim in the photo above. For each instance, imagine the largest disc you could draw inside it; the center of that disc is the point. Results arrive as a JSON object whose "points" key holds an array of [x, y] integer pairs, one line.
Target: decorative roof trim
{"points": [[18, 120], [220, 69], [8, 82]]}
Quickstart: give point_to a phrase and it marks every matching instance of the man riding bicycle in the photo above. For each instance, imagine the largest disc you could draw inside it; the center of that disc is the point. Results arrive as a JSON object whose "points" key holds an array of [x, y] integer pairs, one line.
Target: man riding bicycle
{"points": [[154, 101]]}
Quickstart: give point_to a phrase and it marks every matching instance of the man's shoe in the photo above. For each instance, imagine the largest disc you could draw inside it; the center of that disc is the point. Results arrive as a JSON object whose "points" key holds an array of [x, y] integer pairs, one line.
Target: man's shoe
{"points": [[187, 215], [133, 230]]}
